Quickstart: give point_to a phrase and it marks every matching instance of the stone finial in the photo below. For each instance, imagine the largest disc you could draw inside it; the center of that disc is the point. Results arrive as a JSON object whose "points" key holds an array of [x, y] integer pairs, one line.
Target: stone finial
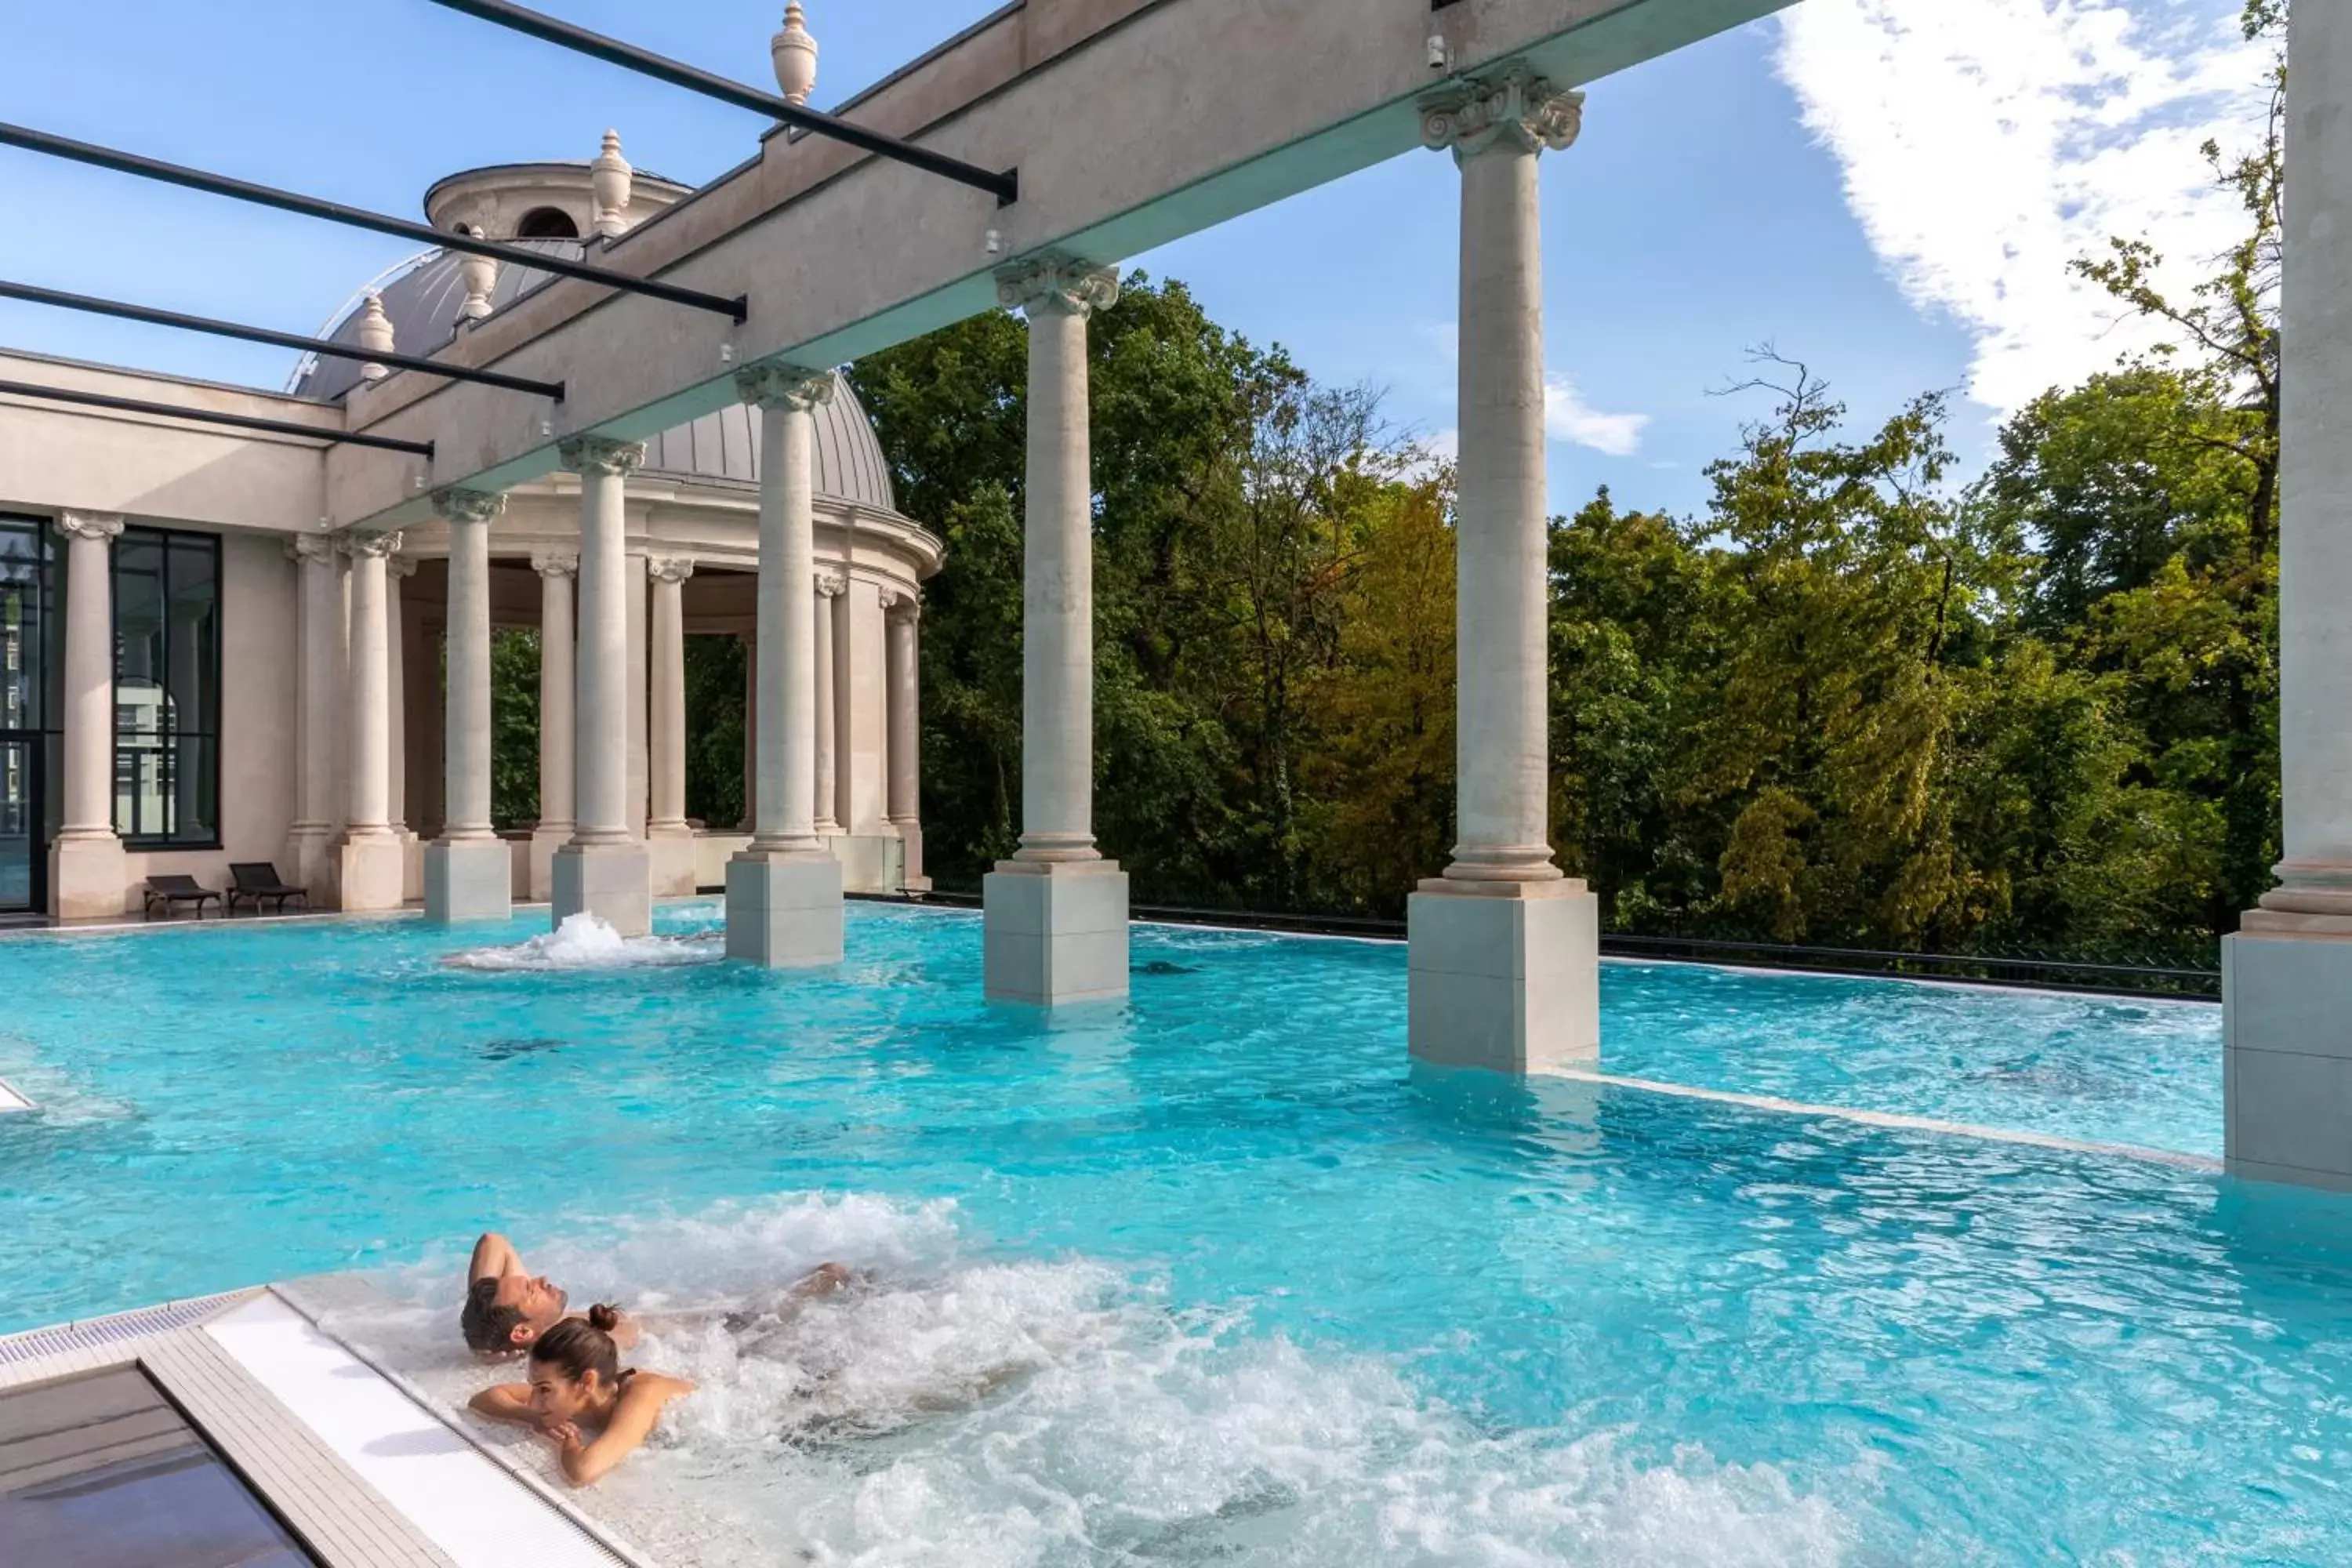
{"points": [[479, 274], [669, 568], [1060, 284], [555, 563], [99, 526], [774, 385], [1513, 107], [793, 52], [612, 177], [601, 455], [459, 505], [374, 335]]}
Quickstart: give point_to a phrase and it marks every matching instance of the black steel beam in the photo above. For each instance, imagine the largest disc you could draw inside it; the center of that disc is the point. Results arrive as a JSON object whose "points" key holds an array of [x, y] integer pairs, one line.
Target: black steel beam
{"points": [[1005, 187], [207, 417], [32, 140], [36, 295]]}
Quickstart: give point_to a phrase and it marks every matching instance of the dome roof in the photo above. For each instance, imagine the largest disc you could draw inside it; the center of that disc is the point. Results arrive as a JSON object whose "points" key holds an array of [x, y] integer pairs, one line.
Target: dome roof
{"points": [[422, 305]]}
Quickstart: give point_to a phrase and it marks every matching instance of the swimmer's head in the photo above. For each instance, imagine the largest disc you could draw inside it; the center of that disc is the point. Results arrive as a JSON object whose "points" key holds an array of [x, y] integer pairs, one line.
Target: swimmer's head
{"points": [[509, 1313], [574, 1367]]}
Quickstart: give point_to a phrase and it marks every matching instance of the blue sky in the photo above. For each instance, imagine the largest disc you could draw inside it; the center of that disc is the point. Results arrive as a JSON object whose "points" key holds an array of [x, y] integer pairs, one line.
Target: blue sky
{"points": [[1889, 189]]}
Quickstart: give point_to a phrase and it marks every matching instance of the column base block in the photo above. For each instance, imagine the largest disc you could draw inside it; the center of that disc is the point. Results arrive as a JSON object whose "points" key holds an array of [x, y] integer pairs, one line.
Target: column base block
{"points": [[308, 851], [1504, 976], [89, 878], [612, 881], [2287, 1050], [368, 873], [672, 854], [470, 879], [545, 840], [785, 912], [1055, 932], [412, 865]]}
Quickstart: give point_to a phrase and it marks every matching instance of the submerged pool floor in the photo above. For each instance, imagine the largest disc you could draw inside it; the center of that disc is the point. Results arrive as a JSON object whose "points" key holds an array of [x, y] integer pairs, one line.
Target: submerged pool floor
{"points": [[1212, 1276]]}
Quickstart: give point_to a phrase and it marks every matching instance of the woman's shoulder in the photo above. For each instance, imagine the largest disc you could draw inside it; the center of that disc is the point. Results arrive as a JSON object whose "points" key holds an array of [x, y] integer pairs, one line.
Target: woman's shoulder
{"points": [[658, 1386]]}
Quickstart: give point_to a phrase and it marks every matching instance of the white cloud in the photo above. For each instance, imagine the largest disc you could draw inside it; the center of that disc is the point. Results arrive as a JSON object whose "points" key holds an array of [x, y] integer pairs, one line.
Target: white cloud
{"points": [[1988, 143], [1568, 417]]}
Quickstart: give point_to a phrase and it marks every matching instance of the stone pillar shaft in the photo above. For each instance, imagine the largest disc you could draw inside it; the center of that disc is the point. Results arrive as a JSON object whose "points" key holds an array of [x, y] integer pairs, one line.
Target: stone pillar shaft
{"points": [[367, 811], [601, 765], [1058, 670], [828, 602], [668, 696], [906, 713], [556, 691], [89, 804], [466, 748], [322, 615]]}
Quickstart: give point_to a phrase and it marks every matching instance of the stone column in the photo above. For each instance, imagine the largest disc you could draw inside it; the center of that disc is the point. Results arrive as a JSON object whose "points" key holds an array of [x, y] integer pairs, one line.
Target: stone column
{"points": [[603, 871], [556, 571], [398, 570], [750, 645], [784, 891], [368, 869], [668, 839], [1504, 966], [468, 870], [829, 586], [1056, 927], [906, 749], [88, 873], [318, 604], [2286, 976], [635, 579]]}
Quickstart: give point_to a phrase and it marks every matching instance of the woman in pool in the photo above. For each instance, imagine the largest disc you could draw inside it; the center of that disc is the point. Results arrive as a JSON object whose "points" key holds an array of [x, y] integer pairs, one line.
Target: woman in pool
{"points": [[577, 1381]]}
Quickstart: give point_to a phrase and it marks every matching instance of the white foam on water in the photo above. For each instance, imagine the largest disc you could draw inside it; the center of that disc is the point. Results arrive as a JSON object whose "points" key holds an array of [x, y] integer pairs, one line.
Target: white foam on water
{"points": [[957, 1407], [584, 942]]}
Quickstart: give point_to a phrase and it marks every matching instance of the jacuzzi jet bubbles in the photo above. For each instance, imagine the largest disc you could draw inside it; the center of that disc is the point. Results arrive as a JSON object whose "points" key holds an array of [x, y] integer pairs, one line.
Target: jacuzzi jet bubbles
{"points": [[584, 942]]}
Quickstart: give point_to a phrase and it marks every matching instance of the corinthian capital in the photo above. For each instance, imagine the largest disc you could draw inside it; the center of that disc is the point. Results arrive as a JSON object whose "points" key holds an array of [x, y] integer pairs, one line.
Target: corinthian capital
{"points": [[901, 606], [380, 546], [455, 505], [789, 388], [1059, 285], [1511, 107], [401, 566], [311, 550], [831, 585], [99, 526], [669, 568], [600, 455], [555, 563]]}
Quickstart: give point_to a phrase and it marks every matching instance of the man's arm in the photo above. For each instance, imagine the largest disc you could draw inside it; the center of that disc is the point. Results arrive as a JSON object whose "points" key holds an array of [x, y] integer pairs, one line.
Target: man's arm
{"points": [[494, 1256]]}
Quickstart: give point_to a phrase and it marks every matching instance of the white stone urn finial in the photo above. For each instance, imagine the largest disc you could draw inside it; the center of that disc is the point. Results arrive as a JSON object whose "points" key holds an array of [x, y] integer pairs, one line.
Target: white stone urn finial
{"points": [[479, 274], [611, 176], [374, 336], [794, 54]]}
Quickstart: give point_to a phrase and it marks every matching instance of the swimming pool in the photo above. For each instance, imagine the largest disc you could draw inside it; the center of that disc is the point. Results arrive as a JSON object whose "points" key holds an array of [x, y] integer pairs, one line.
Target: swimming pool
{"points": [[1270, 1297]]}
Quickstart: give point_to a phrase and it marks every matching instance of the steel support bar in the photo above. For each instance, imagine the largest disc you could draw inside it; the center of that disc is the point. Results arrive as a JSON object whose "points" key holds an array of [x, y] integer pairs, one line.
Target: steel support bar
{"points": [[207, 417], [737, 308], [36, 295], [1005, 187]]}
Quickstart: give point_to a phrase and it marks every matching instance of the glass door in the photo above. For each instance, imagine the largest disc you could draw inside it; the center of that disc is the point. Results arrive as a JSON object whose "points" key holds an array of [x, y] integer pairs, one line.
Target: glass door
{"points": [[24, 826]]}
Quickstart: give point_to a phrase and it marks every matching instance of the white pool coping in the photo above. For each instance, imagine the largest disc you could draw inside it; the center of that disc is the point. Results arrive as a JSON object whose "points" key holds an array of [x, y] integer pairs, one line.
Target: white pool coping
{"points": [[368, 1471], [479, 1513], [12, 1097]]}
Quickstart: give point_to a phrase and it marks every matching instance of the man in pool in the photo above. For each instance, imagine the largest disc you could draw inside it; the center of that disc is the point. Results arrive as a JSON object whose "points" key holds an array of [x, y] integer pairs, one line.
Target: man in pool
{"points": [[508, 1307]]}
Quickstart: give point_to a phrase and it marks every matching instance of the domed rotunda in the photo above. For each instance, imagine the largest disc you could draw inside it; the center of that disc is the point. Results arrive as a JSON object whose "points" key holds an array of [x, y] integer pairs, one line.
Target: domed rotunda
{"points": [[692, 533]]}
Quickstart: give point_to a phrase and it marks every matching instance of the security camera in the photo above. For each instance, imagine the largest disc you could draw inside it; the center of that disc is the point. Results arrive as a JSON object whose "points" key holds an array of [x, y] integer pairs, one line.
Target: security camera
{"points": [[1440, 57]]}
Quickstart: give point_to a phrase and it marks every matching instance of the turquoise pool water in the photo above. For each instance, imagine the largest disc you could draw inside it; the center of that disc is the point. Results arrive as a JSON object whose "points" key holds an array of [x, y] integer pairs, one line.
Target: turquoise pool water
{"points": [[1212, 1276]]}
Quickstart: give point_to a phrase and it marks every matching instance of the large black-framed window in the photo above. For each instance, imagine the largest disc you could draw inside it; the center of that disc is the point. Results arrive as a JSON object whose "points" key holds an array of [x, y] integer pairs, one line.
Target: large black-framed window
{"points": [[167, 703], [31, 677]]}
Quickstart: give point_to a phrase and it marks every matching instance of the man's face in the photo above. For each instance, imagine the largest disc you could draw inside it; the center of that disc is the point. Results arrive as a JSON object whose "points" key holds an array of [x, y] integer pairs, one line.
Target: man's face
{"points": [[539, 1301]]}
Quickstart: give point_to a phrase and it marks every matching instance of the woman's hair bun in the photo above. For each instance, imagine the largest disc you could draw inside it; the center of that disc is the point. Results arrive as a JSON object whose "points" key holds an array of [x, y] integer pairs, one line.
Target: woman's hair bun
{"points": [[604, 1317]]}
